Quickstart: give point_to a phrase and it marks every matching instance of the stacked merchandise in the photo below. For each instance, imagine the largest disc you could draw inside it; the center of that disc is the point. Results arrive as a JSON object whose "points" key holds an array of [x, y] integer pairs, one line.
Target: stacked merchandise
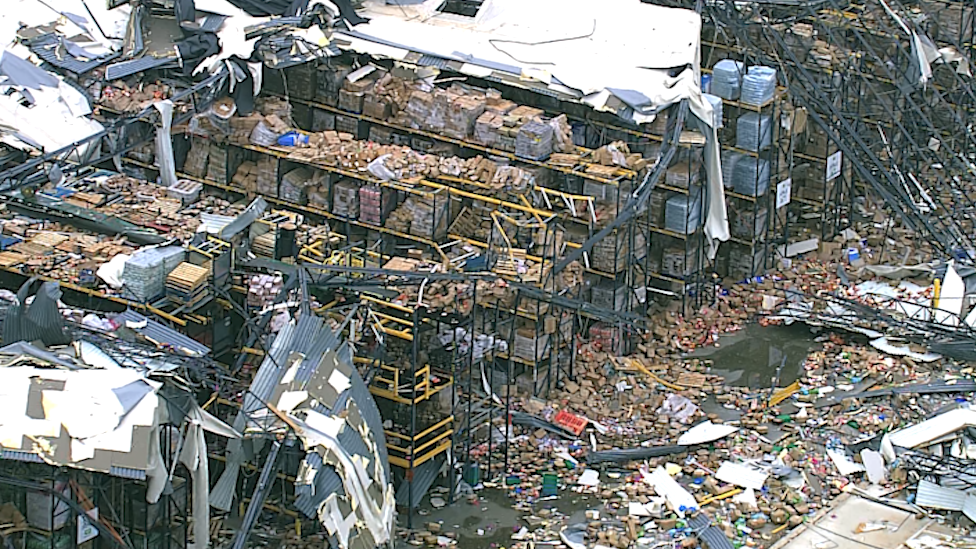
{"points": [[318, 190], [401, 218], [322, 120], [729, 160], [293, 185], [144, 274], [609, 255], [659, 126], [717, 114], [351, 95], [381, 135], [187, 283], [374, 203], [656, 208], [751, 176], [512, 125], [217, 163], [678, 261], [748, 222], [246, 177], [682, 213], [328, 81], [263, 289], [264, 245], [608, 338], [267, 180], [727, 79], [461, 116], [681, 175], [534, 140], [527, 346], [429, 218], [745, 262], [345, 198], [196, 158], [487, 126], [605, 296], [753, 131], [759, 86], [241, 127], [300, 80]]}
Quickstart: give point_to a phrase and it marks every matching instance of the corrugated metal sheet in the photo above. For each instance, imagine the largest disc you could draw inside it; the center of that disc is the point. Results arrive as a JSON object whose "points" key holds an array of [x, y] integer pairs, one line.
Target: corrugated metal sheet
{"points": [[252, 213], [327, 481], [128, 68], [709, 534], [212, 22], [40, 321], [423, 478], [17, 455], [46, 47], [311, 337], [164, 334], [126, 472], [267, 375], [433, 61], [930, 494], [969, 507]]}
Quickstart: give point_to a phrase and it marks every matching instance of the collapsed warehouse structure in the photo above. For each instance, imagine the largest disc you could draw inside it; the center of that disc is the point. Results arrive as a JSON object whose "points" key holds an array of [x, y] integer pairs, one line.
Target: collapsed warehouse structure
{"points": [[388, 218]]}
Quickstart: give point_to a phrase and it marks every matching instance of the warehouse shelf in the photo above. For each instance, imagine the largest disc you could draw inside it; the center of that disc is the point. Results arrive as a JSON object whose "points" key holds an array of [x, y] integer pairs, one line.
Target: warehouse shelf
{"points": [[623, 174]]}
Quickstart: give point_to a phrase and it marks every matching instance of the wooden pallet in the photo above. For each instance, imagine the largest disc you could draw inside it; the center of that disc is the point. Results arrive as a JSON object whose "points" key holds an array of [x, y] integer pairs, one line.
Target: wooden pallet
{"points": [[186, 278], [50, 240], [10, 259]]}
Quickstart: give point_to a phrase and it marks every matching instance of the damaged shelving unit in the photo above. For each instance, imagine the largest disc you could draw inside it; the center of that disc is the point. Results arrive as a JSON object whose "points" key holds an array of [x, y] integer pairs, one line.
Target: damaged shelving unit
{"points": [[886, 128]]}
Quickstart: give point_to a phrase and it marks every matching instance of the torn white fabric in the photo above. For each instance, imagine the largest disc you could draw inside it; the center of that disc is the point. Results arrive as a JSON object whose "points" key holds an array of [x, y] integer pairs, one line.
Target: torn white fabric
{"points": [[951, 297], [111, 271], [194, 458], [164, 144]]}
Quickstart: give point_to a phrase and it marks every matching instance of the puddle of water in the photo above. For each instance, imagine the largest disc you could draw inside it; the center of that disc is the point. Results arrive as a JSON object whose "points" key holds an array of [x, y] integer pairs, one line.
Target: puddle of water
{"points": [[751, 357], [492, 521]]}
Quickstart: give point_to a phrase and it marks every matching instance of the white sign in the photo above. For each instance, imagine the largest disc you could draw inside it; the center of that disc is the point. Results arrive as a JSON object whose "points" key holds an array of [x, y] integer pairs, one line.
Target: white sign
{"points": [[783, 192], [833, 165], [86, 526]]}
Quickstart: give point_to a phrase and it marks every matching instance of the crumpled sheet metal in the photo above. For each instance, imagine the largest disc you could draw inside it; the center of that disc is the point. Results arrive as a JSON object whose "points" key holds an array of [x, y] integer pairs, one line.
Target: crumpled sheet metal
{"points": [[344, 480]]}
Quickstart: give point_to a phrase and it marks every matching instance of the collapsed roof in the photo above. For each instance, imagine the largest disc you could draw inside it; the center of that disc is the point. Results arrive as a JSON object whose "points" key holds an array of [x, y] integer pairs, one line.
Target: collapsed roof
{"points": [[74, 405], [309, 379]]}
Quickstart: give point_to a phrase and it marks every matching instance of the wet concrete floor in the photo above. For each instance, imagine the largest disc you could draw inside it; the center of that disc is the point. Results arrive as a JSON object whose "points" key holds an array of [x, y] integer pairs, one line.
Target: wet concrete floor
{"points": [[752, 357], [749, 358]]}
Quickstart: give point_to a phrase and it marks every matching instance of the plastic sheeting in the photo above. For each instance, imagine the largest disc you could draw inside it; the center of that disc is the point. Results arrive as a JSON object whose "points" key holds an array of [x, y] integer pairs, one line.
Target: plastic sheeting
{"points": [[164, 143]]}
